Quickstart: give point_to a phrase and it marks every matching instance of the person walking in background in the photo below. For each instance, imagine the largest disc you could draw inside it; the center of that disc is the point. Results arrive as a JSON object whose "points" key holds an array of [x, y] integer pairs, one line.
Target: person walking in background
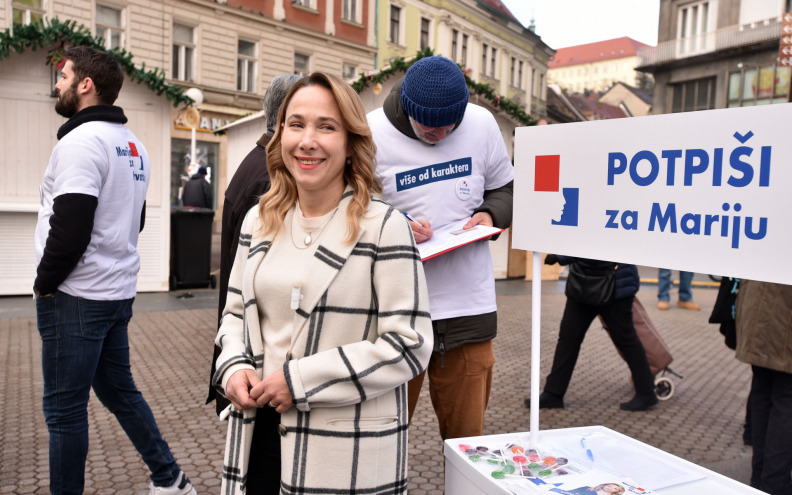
{"points": [[251, 180], [92, 209], [427, 126], [685, 294], [327, 315], [764, 340], [616, 312], [197, 191]]}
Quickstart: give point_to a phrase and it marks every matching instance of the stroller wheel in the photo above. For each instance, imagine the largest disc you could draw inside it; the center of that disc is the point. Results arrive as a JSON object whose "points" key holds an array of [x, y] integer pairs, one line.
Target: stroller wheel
{"points": [[664, 388]]}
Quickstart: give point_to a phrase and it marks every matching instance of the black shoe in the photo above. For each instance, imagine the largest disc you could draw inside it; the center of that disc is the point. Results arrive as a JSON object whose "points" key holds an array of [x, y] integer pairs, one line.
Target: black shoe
{"points": [[547, 401], [639, 403]]}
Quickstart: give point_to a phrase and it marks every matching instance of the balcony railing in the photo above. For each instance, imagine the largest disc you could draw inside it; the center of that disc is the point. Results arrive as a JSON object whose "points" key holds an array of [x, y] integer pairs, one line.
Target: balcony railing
{"points": [[722, 39]]}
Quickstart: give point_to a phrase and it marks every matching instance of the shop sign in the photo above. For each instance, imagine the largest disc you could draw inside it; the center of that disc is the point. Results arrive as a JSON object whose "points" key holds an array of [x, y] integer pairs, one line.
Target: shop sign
{"points": [[785, 48]]}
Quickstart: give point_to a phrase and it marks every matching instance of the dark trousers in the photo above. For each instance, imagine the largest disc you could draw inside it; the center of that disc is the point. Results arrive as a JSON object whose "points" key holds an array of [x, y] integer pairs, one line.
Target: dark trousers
{"points": [[574, 324], [84, 345], [264, 466], [771, 430]]}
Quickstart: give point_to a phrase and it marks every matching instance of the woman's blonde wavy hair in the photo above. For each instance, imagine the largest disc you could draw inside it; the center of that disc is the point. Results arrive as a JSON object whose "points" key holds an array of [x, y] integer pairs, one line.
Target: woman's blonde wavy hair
{"points": [[359, 172]]}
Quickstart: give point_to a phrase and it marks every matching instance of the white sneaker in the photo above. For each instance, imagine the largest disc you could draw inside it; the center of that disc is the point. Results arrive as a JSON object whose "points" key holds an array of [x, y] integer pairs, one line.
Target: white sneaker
{"points": [[181, 487]]}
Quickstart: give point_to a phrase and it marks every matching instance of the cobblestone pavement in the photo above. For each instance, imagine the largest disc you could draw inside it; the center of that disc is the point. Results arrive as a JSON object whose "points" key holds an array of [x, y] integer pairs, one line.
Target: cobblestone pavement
{"points": [[171, 350]]}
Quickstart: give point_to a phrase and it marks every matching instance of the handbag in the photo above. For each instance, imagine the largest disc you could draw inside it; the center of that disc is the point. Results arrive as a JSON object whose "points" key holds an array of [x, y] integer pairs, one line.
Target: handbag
{"points": [[723, 311], [590, 286]]}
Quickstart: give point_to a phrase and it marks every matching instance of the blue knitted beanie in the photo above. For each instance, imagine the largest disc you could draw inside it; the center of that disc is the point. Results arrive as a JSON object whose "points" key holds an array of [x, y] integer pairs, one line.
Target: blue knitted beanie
{"points": [[434, 92]]}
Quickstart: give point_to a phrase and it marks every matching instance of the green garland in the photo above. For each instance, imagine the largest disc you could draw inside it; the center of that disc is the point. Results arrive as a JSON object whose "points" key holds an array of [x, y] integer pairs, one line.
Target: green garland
{"points": [[57, 36], [510, 107], [397, 65], [400, 65]]}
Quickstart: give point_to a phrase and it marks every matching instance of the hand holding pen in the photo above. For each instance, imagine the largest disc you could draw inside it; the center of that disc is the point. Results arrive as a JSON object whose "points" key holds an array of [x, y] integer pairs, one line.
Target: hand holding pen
{"points": [[421, 228]]}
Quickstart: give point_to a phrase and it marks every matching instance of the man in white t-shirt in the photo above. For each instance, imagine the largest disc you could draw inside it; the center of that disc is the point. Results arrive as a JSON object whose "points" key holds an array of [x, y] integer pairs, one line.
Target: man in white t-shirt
{"points": [[443, 160], [92, 208]]}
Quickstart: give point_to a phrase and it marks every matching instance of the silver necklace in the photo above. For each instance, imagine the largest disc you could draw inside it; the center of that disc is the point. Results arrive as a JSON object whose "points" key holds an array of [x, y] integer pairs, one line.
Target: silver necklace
{"points": [[309, 235]]}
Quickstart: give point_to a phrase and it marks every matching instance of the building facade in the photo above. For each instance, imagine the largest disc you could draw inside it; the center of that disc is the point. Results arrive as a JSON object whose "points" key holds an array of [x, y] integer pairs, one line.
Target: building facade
{"points": [[718, 54], [632, 101], [596, 66], [481, 35], [226, 51]]}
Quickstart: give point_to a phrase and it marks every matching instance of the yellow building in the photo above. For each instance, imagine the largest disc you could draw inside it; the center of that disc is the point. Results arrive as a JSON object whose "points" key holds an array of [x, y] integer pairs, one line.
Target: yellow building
{"points": [[482, 35]]}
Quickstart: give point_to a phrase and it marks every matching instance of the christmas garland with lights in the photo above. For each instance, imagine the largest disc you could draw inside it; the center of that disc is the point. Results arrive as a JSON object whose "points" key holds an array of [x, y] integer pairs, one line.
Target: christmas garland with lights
{"points": [[57, 36], [400, 65]]}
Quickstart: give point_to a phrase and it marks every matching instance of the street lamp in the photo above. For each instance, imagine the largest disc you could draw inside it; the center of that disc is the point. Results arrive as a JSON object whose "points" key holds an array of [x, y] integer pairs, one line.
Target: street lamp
{"points": [[193, 119]]}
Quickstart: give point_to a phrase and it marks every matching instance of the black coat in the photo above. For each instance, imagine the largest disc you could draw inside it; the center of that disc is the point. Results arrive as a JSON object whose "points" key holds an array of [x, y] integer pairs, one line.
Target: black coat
{"points": [[197, 192], [251, 180]]}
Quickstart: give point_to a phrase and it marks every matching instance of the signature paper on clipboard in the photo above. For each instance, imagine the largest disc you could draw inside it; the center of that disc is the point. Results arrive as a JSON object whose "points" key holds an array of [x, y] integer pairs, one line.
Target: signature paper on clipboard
{"points": [[452, 237]]}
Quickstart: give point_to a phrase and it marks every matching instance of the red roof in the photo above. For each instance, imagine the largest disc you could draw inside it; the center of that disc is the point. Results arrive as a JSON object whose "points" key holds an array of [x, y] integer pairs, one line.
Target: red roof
{"points": [[595, 52], [498, 7]]}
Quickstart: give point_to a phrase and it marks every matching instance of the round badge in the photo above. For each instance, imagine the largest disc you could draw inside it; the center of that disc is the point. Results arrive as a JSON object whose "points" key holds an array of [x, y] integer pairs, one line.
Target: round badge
{"points": [[462, 189]]}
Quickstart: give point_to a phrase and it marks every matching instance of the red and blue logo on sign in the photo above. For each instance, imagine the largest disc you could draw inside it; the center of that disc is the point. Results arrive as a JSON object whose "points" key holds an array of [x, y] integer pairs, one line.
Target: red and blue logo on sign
{"points": [[547, 174]]}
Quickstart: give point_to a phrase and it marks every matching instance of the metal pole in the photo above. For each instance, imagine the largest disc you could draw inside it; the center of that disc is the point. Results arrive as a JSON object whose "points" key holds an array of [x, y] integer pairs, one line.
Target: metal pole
{"points": [[536, 311], [192, 148]]}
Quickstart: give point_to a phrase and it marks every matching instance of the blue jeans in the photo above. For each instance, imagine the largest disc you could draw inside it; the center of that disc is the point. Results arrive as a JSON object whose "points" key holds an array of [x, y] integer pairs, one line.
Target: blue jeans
{"points": [[664, 285], [85, 344]]}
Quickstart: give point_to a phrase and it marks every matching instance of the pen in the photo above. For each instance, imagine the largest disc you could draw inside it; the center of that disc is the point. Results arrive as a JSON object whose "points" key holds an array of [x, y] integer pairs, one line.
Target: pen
{"points": [[410, 218], [585, 446]]}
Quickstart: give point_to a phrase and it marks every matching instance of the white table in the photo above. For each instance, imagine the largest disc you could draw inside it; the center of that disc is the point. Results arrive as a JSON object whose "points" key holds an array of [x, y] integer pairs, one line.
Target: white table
{"points": [[462, 477]]}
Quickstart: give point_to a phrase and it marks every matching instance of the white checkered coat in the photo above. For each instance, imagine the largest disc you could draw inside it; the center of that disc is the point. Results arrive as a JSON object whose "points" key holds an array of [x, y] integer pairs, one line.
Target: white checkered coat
{"points": [[362, 331]]}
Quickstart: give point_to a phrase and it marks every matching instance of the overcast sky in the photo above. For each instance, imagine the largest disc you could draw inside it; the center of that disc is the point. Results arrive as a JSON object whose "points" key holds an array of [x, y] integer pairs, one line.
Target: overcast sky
{"points": [[563, 23]]}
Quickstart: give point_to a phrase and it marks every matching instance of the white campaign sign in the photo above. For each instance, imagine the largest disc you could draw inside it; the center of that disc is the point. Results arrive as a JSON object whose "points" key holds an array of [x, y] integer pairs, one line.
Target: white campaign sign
{"points": [[707, 192]]}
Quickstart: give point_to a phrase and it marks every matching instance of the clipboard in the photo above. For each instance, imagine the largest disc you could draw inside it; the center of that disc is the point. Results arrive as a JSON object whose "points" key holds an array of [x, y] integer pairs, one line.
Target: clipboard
{"points": [[452, 237]]}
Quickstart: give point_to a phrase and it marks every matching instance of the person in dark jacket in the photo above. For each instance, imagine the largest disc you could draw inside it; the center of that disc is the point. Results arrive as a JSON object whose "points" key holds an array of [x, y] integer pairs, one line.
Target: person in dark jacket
{"points": [[250, 181], [764, 340], [198, 192], [617, 315]]}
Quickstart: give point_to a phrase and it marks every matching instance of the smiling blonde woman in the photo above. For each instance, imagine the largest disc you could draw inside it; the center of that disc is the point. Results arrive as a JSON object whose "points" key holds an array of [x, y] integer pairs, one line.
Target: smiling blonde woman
{"points": [[327, 315]]}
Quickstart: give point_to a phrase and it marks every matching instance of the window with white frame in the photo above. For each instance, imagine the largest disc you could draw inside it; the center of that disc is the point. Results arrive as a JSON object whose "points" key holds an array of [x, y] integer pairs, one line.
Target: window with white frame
{"points": [[512, 69], [352, 10], [494, 59], [302, 64], [520, 75], [484, 49], [110, 26], [395, 24], [308, 4], [694, 26], [246, 66], [531, 84], [24, 12], [424, 43], [349, 71], [463, 55], [183, 52], [454, 41]]}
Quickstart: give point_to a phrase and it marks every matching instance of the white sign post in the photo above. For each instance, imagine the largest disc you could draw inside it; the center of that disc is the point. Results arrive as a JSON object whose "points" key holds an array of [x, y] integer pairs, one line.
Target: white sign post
{"points": [[707, 192]]}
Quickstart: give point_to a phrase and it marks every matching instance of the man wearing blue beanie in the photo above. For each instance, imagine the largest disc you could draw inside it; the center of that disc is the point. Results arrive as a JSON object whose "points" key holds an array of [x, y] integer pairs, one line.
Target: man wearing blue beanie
{"points": [[443, 161]]}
